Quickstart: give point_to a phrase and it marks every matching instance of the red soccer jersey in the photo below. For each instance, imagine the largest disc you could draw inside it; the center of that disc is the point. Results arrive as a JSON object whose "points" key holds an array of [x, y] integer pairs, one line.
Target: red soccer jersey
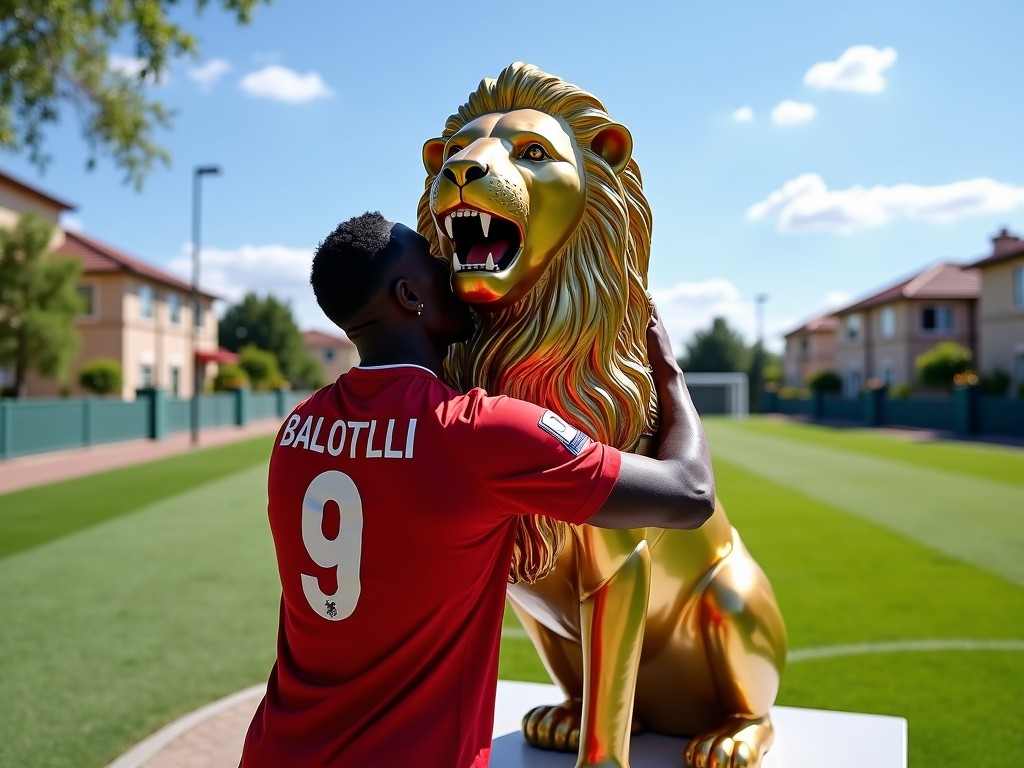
{"points": [[392, 502]]}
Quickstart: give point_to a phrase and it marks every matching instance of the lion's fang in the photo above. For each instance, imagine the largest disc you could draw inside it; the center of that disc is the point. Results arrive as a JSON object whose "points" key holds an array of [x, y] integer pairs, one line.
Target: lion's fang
{"points": [[485, 223], [489, 266], [448, 226], [455, 261]]}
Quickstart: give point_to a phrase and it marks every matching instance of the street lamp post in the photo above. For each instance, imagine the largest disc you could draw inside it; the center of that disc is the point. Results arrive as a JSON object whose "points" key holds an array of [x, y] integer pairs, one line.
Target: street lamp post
{"points": [[197, 381], [759, 301]]}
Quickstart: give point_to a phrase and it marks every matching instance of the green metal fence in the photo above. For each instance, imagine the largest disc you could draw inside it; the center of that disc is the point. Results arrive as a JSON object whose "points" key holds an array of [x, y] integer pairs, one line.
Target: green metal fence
{"points": [[966, 412], [38, 426]]}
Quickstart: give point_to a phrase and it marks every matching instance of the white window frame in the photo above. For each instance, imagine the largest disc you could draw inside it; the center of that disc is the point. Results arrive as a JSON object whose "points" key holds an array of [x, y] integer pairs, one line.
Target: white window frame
{"points": [[852, 327], [886, 323], [938, 310], [93, 287], [174, 302], [145, 375], [1018, 287], [144, 288]]}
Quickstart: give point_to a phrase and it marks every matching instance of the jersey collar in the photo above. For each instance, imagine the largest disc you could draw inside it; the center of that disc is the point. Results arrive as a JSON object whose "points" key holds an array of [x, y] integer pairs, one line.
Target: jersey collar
{"points": [[396, 365]]}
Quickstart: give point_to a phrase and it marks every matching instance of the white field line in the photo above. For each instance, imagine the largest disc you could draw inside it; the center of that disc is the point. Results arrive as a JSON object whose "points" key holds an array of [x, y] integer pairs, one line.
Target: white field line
{"points": [[863, 649]]}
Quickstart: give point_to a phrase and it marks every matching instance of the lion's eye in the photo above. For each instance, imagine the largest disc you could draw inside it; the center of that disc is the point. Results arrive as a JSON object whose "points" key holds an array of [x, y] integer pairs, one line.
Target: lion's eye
{"points": [[453, 149], [535, 152]]}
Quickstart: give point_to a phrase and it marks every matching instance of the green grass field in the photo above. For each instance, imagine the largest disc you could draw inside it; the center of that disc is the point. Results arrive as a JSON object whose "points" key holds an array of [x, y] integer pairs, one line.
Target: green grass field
{"points": [[132, 597]]}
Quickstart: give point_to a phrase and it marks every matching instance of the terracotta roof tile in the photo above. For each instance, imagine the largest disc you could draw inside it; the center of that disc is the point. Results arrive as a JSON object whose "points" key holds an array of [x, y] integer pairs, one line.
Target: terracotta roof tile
{"points": [[940, 281], [819, 324], [321, 339], [100, 257]]}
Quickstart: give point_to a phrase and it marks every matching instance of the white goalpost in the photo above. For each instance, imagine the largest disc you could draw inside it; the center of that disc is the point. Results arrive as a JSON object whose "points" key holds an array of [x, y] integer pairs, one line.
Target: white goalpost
{"points": [[719, 393]]}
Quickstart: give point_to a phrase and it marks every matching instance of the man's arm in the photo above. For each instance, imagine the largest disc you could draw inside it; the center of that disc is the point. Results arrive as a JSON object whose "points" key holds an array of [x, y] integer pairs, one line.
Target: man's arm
{"points": [[677, 489]]}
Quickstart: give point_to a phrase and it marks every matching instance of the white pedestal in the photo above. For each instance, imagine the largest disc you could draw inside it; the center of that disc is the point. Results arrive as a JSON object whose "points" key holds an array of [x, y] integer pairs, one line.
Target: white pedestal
{"points": [[804, 738]]}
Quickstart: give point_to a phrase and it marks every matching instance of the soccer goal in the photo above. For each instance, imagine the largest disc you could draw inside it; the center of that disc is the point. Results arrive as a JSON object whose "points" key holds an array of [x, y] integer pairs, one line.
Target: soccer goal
{"points": [[719, 393]]}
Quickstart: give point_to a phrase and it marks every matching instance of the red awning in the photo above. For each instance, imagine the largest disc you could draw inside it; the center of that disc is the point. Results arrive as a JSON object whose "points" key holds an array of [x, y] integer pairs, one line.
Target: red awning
{"points": [[216, 356]]}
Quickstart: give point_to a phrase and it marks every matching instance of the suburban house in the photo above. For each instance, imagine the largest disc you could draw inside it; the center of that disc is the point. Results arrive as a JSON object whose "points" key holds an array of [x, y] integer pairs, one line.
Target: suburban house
{"points": [[135, 312], [335, 352], [811, 348], [1001, 310], [879, 337]]}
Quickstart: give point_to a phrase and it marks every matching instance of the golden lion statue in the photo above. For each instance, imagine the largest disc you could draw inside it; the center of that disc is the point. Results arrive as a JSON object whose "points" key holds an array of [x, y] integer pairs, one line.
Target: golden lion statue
{"points": [[533, 197]]}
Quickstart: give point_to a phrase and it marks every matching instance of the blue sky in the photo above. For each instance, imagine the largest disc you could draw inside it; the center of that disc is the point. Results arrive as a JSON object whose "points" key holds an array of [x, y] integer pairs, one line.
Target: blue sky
{"points": [[880, 137]]}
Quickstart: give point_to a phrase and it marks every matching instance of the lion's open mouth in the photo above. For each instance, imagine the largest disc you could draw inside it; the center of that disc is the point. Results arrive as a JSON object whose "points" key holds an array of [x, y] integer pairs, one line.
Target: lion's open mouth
{"points": [[482, 241]]}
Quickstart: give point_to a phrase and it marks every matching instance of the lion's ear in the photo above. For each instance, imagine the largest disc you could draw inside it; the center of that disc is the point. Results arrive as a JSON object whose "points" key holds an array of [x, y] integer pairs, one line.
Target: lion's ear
{"points": [[433, 156], [614, 144]]}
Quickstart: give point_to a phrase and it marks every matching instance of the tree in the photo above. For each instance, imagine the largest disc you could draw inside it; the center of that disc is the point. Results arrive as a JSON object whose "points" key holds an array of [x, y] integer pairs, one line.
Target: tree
{"points": [[229, 376], [38, 302], [941, 363], [101, 376], [719, 349], [55, 54], [826, 382], [261, 367], [268, 324]]}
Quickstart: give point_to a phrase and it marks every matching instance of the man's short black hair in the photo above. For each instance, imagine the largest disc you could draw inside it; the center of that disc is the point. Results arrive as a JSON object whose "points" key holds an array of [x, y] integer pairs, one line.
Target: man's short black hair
{"points": [[350, 263]]}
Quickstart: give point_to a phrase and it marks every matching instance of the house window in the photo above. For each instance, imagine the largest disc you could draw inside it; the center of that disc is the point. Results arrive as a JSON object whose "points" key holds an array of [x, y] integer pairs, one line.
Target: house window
{"points": [[852, 327], [328, 355], [887, 322], [88, 294], [937, 318], [803, 345], [1018, 368], [1018, 287], [145, 375], [175, 381], [6, 377], [146, 300], [174, 308]]}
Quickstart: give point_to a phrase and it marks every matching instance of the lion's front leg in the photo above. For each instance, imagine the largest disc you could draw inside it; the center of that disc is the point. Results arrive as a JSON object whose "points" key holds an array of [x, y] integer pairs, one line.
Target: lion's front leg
{"points": [[613, 619]]}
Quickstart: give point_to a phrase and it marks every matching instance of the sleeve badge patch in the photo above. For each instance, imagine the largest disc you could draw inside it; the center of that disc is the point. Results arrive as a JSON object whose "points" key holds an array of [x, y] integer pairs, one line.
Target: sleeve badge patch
{"points": [[568, 436]]}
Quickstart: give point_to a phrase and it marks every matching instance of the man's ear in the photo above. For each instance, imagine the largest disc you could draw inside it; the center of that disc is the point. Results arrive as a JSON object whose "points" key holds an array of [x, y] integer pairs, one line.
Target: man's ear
{"points": [[433, 156], [405, 295], [614, 143]]}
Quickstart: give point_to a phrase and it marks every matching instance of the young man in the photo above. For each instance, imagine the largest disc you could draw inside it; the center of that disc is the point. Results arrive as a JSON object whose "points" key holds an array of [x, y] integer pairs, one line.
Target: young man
{"points": [[392, 502]]}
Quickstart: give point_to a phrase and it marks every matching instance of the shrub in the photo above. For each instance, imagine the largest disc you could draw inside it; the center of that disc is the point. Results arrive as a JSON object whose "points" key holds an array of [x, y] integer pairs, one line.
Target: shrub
{"points": [[826, 382], [996, 383], [101, 376], [941, 363], [229, 377], [901, 391], [791, 393], [260, 366]]}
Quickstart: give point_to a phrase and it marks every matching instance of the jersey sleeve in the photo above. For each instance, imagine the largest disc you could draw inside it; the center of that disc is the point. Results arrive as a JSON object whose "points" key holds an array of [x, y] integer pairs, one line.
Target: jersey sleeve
{"points": [[528, 459]]}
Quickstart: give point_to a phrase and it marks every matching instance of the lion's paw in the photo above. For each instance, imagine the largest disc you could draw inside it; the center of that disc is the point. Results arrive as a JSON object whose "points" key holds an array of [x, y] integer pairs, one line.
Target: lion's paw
{"points": [[554, 726], [739, 743]]}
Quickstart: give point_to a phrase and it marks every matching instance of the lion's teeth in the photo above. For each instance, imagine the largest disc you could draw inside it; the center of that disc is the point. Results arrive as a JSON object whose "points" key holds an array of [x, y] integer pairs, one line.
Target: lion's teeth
{"points": [[448, 226], [456, 266], [485, 223], [489, 266]]}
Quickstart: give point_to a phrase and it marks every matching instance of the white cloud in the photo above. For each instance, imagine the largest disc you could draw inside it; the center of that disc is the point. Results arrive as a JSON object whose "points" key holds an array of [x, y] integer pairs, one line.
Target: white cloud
{"points": [[71, 223], [743, 115], [790, 112], [279, 270], [686, 308], [859, 69], [283, 84], [131, 67], [836, 299], [806, 204], [208, 73]]}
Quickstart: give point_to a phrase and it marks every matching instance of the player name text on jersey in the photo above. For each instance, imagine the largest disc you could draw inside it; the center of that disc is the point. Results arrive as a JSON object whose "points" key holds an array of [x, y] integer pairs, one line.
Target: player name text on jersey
{"points": [[361, 437]]}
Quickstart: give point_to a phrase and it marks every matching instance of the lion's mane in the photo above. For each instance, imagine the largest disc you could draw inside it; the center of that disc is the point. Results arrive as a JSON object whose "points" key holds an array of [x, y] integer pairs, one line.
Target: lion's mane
{"points": [[576, 343]]}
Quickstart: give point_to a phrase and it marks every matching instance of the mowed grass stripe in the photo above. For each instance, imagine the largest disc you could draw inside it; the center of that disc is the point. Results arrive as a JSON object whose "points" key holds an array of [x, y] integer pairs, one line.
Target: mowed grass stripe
{"points": [[33, 516], [975, 519], [1000, 463], [115, 630]]}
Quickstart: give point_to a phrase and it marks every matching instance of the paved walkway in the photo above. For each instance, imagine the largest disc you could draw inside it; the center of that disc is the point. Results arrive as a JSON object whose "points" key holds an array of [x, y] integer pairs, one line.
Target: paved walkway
{"points": [[43, 468]]}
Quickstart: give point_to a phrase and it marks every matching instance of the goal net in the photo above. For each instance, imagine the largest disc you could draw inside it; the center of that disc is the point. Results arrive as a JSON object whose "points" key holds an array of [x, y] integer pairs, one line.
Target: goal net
{"points": [[719, 393]]}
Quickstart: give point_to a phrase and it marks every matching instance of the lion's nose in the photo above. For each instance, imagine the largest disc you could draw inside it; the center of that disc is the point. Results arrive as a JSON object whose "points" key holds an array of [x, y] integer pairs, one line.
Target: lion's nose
{"points": [[462, 172]]}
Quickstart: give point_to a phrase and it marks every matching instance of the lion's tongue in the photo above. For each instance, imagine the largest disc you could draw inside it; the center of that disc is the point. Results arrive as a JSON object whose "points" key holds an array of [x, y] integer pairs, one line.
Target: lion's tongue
{"points": [[478, 253]]}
